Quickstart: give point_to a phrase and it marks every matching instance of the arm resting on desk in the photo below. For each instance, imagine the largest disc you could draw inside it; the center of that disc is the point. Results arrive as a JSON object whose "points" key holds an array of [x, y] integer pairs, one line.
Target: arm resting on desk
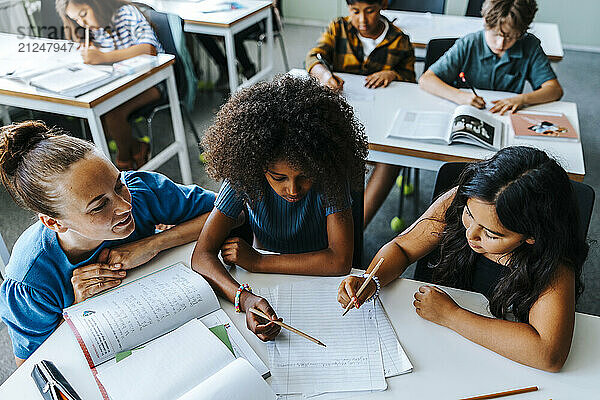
{"points": [[549, 91], [543, 343]]}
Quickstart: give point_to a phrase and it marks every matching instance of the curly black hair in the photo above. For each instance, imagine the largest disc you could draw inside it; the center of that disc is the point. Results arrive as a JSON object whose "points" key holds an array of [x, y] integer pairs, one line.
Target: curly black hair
{"points": [[292, 119]]}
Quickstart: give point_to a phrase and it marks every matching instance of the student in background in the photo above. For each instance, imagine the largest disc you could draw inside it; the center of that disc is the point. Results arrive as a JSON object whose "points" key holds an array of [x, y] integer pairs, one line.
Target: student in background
{"points": [[94, 224], [509, 230], [365, 43], [118, 30], [289, 152], [503, 56]]}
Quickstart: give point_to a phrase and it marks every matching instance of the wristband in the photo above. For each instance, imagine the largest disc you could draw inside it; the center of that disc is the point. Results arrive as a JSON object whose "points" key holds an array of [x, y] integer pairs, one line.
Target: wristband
{"points": [[376, 294], [238, 293]]}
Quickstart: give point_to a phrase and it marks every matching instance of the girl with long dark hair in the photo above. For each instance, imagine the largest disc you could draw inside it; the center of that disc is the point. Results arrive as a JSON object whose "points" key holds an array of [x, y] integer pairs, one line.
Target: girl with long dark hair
{"points": [[511, 231], [117, 31]]}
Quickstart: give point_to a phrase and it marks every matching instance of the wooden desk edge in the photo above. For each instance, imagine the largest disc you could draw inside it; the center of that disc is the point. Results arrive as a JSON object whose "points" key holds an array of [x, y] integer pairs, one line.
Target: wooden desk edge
{"points": [[83, 104], [440, 157], [190, 21]]}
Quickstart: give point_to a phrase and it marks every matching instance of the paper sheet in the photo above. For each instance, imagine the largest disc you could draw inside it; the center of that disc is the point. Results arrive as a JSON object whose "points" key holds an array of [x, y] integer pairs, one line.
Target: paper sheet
{"points": [[395, 361], [352, 360]]}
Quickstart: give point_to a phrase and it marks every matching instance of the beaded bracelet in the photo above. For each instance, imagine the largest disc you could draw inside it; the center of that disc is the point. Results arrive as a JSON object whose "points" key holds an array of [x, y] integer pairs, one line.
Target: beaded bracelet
{"points": [[376, 294], [238, 293]]}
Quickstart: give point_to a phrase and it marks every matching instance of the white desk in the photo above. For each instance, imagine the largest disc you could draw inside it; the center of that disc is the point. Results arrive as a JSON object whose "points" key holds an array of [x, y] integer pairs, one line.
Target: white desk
{"points": [[377, 116], [422, 27], [446, 366], [94, 104], [225, 24]]}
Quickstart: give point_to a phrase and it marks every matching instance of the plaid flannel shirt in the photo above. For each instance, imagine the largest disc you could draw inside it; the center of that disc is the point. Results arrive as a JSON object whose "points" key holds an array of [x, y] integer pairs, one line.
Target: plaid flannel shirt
{"points": [[341, 48]]}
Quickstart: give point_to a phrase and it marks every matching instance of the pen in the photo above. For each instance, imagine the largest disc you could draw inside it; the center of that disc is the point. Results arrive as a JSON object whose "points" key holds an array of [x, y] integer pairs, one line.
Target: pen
{"points": [[464, 79]]}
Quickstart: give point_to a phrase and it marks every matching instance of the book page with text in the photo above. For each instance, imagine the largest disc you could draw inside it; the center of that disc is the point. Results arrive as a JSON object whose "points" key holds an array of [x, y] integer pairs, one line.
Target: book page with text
{"points": [[139, 311]]}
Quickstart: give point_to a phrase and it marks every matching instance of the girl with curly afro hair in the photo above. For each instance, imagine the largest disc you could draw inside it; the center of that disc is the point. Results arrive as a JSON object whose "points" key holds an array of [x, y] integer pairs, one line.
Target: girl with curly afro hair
{"points": [[288, 151]]}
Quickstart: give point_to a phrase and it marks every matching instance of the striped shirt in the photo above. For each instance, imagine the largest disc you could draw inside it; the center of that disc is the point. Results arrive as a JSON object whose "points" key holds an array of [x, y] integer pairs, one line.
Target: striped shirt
{"points": [[129, 28], [279, 225], [341, 47]]}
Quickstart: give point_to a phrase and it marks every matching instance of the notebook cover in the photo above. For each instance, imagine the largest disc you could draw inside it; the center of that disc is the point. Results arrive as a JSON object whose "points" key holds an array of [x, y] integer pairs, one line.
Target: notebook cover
{"points": [[528, 124]]}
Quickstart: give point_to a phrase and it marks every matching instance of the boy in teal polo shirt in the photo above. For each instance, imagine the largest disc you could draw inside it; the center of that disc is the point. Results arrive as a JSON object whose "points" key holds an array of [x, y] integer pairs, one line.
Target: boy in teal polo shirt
{"points": [[501, 57]]}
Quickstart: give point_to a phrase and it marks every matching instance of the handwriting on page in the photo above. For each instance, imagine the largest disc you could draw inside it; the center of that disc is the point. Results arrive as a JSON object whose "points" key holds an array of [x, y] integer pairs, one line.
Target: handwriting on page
{"points": [[351, 361]]}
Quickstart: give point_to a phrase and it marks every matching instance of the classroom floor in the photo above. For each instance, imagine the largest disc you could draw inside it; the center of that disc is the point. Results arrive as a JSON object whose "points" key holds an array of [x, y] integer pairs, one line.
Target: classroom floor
{"points": [[579, 73]]}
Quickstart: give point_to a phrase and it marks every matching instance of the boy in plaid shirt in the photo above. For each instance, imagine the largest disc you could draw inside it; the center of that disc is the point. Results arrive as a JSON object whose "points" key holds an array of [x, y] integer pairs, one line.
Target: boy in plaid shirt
{"points": [[365, 43]]}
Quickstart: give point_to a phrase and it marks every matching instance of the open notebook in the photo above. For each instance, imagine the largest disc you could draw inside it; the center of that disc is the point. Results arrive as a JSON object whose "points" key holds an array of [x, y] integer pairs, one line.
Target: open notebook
{"points": [[142, 339]]}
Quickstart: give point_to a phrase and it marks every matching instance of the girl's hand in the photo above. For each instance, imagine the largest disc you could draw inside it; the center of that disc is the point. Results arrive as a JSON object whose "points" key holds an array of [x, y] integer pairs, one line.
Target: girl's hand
{"points": [[348, 288], [93, 56], [511, 104], [133, 254], [236, 251], [380, 79], [91, 279], [471, 100], [433, 304], [264, 330]]}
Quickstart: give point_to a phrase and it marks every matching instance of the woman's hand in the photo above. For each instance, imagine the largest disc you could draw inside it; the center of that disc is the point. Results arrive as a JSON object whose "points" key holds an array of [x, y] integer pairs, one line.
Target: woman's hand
{"points": [[236, 251], [93, 55], [133, 254], [263, 329], [470, 99], [348, 288], [511, 104], [433, 304], [380, 79], [91, 279]]}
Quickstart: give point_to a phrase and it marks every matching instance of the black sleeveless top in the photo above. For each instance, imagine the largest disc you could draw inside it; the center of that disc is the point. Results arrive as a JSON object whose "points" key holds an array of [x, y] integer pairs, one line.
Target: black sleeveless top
{"points": [[486, 276]]}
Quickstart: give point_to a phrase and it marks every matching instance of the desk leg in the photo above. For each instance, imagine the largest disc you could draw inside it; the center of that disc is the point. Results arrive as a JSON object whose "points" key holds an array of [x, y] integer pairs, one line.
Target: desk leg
{"points": [[270, 41], [97, 132], [231, 68], [178, 131]]}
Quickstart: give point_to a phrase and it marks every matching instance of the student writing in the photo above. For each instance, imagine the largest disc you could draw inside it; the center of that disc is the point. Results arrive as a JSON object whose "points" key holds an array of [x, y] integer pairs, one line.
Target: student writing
{"points": [[365, 43], [289, 152], [118, 31], [94, 224], [509, 230], [503, 56]]}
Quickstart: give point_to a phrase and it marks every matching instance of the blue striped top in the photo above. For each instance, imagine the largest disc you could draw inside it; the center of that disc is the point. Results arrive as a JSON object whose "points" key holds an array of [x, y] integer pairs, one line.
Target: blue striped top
{"points": [[279, 225], [130, 28]]}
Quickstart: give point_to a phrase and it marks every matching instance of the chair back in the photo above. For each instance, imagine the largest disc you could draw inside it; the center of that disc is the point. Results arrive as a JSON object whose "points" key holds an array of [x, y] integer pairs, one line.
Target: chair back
{"points": [[474, 8], [432, 6], [435, 49], [163, 25], [447, 178]]}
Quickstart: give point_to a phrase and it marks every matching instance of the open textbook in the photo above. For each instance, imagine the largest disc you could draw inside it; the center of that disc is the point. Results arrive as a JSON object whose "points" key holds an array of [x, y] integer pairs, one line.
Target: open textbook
{"points": [[466, 124], [143, 340], [362, 348]]}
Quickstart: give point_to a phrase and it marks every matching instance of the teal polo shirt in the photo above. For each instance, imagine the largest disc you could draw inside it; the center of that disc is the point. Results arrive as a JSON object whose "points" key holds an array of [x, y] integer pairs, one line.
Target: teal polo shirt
{"points": [[524, 61]]}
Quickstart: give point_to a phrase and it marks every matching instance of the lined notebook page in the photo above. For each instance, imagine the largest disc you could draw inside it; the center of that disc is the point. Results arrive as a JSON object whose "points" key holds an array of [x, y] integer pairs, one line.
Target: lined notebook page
{"points": [[395, 361], [352, 360]]}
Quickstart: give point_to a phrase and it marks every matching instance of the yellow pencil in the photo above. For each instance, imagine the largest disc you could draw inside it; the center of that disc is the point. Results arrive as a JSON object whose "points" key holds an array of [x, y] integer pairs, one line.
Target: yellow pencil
{"points": [[501, 394], [286, 326], [363, 286], [87, 37]]}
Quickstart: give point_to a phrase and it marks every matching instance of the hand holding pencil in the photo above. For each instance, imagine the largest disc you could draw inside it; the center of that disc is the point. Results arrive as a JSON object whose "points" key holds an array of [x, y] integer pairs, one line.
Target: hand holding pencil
{"points": [[350, 293]]}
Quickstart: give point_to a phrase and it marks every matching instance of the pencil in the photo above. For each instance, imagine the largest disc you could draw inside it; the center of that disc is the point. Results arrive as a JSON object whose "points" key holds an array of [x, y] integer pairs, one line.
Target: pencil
{"points": [[501, 394], [286, 326], [87, 37], [364, 285], [464, 79]]}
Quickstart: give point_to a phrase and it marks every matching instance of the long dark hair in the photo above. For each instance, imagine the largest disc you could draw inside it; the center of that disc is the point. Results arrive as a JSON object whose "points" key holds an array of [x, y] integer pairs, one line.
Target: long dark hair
{"points": [[103, 11], [534, 197]]}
